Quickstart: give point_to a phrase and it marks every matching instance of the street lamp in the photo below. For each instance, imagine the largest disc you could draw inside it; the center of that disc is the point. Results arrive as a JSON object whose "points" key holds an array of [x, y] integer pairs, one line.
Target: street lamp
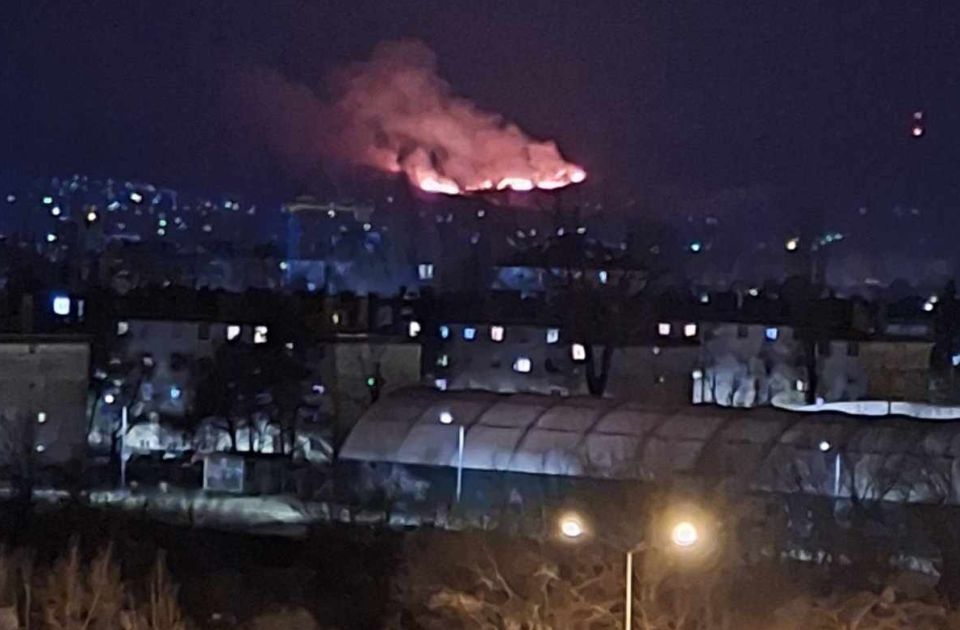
{"points": [[446, 418], [684, 536]]}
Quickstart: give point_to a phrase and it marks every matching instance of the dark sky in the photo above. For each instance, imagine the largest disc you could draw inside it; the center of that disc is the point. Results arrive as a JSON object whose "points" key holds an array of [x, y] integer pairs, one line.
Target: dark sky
{"points": [[697, 93]]}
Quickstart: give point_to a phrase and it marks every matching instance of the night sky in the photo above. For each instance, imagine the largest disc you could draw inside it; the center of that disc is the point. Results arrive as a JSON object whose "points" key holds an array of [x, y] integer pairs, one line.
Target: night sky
{"points": [[699, 94]]}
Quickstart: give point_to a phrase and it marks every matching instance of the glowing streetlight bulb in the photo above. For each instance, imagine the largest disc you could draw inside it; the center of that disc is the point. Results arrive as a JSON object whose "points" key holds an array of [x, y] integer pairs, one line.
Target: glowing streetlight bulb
{"points": [[684, 534], [571, 527]]}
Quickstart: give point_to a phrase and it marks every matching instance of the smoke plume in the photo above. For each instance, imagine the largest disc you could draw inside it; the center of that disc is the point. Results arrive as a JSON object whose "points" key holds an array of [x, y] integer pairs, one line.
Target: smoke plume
{"points": [[395, 113]]}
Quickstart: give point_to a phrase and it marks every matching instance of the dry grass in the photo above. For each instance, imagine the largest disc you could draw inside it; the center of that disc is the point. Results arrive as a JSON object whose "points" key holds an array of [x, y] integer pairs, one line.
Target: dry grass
{"points": [[77, 595]]}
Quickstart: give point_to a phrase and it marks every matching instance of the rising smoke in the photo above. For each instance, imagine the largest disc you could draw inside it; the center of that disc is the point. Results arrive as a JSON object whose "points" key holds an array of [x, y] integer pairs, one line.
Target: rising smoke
{"points": [[395, 113]]}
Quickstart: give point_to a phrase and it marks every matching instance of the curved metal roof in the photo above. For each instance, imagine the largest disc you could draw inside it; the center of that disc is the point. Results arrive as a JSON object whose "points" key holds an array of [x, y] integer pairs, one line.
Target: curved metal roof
{"points": [[765, 449]]}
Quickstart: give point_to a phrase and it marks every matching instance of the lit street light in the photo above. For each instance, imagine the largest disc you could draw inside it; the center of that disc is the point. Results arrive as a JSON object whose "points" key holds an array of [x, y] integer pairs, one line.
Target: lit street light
{"points": [[684, 537], [446, 418]]}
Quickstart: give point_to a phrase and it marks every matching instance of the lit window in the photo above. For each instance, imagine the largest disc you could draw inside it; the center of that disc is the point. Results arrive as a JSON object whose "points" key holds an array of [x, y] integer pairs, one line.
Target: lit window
{"points": [[603, 276], [122, 328], [470, 333], [288, 345], [444, 332], [425, 271], [824, 446], [413, 329], [233, 332], [109, 398], [496, 333], [553, 335], [41, 417], [41, 448], [11, 198], [928, 307], [663, 329], [446, 417], [55, 211], [697, 375], [47, 200], [136, 197], [335, 319], [578, 352], [61, 305], [260, 334], [705, 298], [655, 350], [318, 389], [175, 393], [955, 360], [441, 384], [147, 362], [772, 334], [792, 244], [801, 386], [367, 227], [91, 216], [522, 365], [443, 360], [696, 246], [754, 292], [51, 237], [689, 330]]}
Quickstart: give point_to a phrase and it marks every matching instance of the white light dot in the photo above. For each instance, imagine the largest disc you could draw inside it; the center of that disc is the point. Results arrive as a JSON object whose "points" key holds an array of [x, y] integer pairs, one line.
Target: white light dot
{"points": [[684, 534], [824, 446], [571, 527], [446, 417]]}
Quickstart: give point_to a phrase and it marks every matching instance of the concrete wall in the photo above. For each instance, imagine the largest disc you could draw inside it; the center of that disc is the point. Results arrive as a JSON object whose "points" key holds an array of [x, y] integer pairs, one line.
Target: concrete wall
{"points": [[44, 383]]}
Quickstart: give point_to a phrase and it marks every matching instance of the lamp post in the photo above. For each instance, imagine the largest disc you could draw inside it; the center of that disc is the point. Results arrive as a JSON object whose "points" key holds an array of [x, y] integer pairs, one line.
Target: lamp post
{"points": [[447, 418], [684, 536]]}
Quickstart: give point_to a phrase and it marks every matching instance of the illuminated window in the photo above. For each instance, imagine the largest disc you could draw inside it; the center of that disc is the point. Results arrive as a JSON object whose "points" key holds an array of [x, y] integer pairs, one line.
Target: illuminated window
{"points": [[446, 417], [522, 365], [413, 329], [801, 386], [441, 384], [444, 332], [55, 211], [603, 276], [792, 244], [425, 271], [470, 333], [496, 333], [41, 417], [61, 305], [233, 332], [578, 352], [553, 335], [689, 330], [41, 448], [663, 329], [443, 360], [47, 200], [122, 328], [175, 392], [772, 334], [136, 197], [260, 334], [109, 398], [335, 319]]}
